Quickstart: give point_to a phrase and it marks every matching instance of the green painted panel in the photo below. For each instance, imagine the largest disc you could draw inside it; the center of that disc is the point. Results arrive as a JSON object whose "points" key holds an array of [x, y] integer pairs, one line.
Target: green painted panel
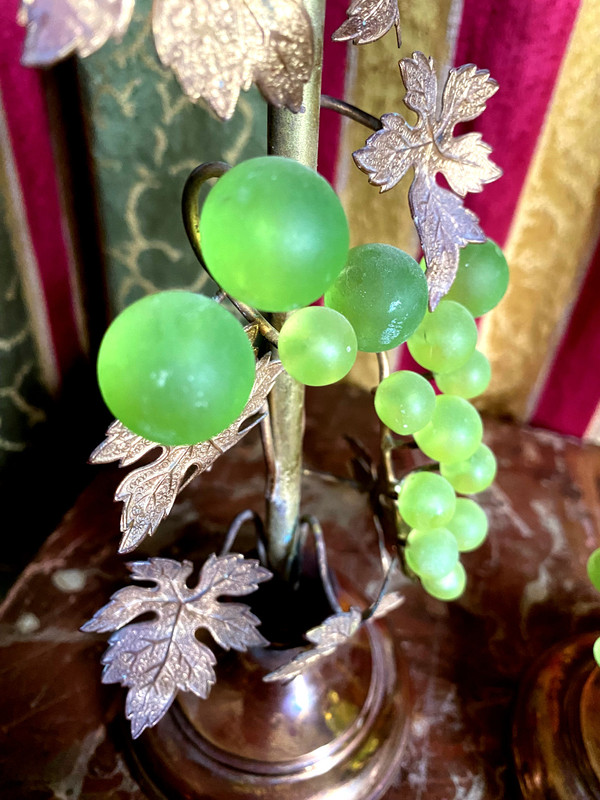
{"points": [[147, 137]]}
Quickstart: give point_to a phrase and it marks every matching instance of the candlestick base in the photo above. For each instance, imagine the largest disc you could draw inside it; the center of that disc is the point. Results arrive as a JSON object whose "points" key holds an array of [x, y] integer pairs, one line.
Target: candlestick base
{"points": [[556, 731], [336, 731]]}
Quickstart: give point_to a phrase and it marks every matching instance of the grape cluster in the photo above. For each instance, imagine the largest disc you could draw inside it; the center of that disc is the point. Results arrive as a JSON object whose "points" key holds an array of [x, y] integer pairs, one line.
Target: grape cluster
{"points": [[446, 428]]}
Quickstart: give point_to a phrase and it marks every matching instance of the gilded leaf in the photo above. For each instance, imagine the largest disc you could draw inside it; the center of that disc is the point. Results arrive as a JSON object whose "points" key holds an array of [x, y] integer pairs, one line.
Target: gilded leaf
{"points": [[327, 637], [429, 147], [149, 492], [157, 658], [218, 49], [369, 20], [59, 28]]}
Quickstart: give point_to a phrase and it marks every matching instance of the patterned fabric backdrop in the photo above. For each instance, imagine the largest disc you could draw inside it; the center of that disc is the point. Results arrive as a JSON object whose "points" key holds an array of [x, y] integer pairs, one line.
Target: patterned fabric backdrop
{"points": [[144, 137]]}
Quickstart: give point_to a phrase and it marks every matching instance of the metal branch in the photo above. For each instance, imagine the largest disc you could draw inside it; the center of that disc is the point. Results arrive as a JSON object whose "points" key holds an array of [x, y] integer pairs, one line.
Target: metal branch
{"points": [[191, 220], [312, 524], [351, 112]]}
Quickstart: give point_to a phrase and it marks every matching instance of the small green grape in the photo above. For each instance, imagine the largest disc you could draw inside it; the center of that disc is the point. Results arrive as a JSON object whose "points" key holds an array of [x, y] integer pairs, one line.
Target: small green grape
{"points": [[449, 587], [445, 339], [467, 381], [273, 233], [474, 474], [482, 277], [176, 368], [404, 401], [432, 553], [593, 568], [454, 432], [469, 524], [596, 651], [426, 500], [317, 346], [383, 293]]}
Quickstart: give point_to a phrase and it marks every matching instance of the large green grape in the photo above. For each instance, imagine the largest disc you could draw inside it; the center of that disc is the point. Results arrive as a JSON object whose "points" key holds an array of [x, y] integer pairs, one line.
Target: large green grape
{"points": [[432, 553], [176, 368], [448, 587], [317, 346], [383, 293], [273, 233], [454, 432], [596, 651], [445, 339], [467, 381], [404, 401], [469, 524], [593, 568], [474, 474], [426, 500], [482, 277]]}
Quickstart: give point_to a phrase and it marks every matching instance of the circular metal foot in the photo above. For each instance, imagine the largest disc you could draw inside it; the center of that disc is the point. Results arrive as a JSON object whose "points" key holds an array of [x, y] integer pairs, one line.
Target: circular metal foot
{"points": [[336, 731], [556, 730]]}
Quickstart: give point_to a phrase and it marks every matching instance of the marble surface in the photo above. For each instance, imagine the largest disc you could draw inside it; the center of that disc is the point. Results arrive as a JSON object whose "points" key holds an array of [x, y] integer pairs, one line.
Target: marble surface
{"points": [[61, 731]]}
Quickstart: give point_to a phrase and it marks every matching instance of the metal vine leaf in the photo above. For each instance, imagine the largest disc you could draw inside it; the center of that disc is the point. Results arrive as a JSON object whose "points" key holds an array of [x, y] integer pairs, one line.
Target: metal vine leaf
{"points": [[58, 28], [218, 49], [149, 492], [331, 634], [161, 656], [443, 223], [369, 20]]}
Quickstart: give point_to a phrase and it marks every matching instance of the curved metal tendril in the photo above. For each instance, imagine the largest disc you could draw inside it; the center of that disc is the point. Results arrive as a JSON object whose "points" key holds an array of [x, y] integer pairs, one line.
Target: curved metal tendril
{"points": [[246, 516]]}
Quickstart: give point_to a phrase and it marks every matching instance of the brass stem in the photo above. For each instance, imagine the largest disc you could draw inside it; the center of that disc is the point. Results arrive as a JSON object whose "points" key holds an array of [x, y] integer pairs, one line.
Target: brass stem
{"points": [[293, 136]]}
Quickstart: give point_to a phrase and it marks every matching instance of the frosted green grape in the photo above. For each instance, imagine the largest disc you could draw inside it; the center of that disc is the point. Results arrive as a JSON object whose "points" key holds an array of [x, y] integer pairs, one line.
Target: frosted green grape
{"points": [[426, 500], [469, 524], [467, 381], [383, 293], [445, 339], [273, 233], [449, 587], [454, 432], [432, 553], [474, 474], [593, 568], [176, 368], [317, 346], [596, 651], [482, 277], [404, 401]]}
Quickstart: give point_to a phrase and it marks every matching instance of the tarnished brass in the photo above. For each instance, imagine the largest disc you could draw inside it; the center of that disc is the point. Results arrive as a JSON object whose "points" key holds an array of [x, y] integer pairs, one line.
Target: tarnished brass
{"points": [[293, 136], [58, 28], [443, 223], [556, 743], [369, 20]]}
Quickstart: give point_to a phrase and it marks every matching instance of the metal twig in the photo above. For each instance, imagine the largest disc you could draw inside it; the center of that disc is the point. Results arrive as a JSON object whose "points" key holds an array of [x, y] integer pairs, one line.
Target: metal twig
{"points": [[351, 112]]}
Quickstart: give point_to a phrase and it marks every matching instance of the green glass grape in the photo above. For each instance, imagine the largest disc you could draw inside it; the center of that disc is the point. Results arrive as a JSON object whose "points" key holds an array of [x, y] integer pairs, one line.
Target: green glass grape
{"points": [[482, 277], [454, 432], [317, 346], [467, 381], [404, 401], [273, 233], [449, 587], [445, 339], [474, 474], [432, 553], [596, 651], [593, 568], [426, 500], [176, 368], [469, 524], [383, 293]]}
